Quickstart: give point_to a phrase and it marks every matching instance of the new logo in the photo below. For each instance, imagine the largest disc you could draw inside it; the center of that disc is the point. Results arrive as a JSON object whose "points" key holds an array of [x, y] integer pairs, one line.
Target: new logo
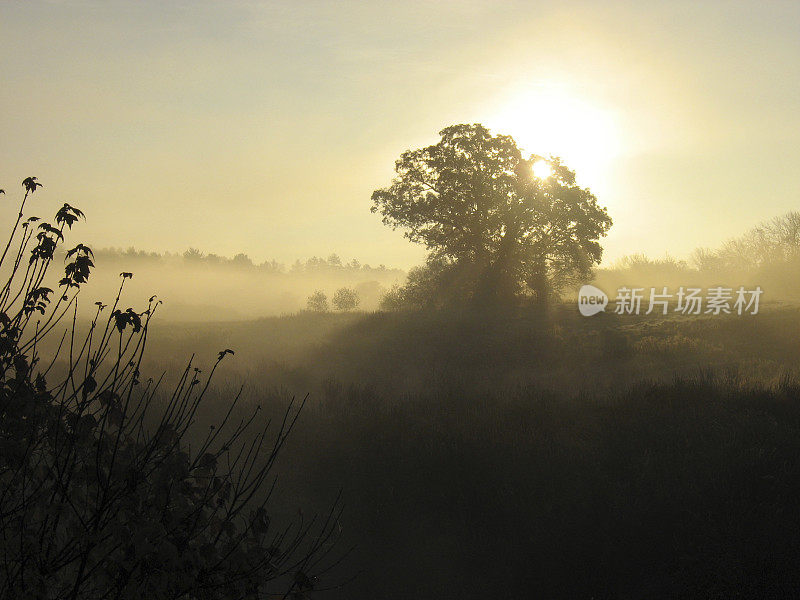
{"points": [[591, 300]]}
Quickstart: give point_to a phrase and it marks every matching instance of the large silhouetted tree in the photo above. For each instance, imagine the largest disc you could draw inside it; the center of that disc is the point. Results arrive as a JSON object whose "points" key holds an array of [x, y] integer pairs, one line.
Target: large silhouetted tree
{"points": [[499, 230]]}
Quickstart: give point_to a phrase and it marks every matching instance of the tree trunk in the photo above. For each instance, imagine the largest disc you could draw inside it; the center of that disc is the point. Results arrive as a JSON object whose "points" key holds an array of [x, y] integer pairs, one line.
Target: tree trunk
{"points": [[496, 285], [540, 284]]}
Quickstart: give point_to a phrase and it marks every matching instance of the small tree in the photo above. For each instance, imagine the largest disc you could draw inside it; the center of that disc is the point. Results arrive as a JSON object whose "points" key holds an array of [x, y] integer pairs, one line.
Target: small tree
{"points": [[345, 299], [193, 255], [241, 260], [318, 302]]}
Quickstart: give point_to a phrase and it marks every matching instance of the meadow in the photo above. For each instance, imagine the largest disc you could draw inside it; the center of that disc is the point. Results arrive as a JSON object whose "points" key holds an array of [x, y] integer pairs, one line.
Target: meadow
{"points": [[507, 455]]}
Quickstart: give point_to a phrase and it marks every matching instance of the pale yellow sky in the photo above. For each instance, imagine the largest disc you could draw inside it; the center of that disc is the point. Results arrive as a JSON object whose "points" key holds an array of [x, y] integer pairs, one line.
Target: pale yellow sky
{"points": [[264, 127]]}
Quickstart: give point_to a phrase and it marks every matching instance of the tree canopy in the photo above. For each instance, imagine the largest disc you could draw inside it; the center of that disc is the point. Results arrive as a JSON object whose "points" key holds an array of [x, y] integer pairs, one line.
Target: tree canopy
{"points": [[491, 224], [345, 299]]}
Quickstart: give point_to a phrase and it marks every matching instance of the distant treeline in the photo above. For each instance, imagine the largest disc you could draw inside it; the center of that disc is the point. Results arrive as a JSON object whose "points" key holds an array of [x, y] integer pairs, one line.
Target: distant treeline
{"points": [[768, 255], [332, 264], [198, 286]]}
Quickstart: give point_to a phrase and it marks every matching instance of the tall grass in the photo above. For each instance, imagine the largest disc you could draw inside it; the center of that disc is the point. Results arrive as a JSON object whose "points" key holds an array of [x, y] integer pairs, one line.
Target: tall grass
{"points": [[574, 458]]}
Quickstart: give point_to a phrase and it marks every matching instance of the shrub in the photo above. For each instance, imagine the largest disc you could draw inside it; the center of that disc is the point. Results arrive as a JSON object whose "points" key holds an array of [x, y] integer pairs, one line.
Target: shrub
{"points": [[345, 299], [318, 302], [100, 496]]}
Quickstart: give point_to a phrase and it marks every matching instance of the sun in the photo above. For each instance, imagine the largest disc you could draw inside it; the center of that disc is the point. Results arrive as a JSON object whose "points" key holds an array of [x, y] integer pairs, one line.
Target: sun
{"points": [[541, 169], [551, 120]]}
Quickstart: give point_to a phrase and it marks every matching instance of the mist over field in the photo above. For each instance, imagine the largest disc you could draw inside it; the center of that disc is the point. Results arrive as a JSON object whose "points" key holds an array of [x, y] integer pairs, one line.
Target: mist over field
{"points": [[235, 288], [386, 301], [766, 255]]}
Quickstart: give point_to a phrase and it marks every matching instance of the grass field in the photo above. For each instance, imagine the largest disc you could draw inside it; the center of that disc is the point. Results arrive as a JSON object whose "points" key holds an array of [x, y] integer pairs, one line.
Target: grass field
{"points": [[509, 456]]}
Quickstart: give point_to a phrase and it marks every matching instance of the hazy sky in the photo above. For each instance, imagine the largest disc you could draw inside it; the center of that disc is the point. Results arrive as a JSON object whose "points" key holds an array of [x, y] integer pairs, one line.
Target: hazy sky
{"points": [[263, 127]]}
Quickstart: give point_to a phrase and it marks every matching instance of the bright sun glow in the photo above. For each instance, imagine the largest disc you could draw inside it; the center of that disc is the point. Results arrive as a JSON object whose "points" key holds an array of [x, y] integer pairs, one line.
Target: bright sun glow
{"points": [[541, 169], [548, 119]]}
